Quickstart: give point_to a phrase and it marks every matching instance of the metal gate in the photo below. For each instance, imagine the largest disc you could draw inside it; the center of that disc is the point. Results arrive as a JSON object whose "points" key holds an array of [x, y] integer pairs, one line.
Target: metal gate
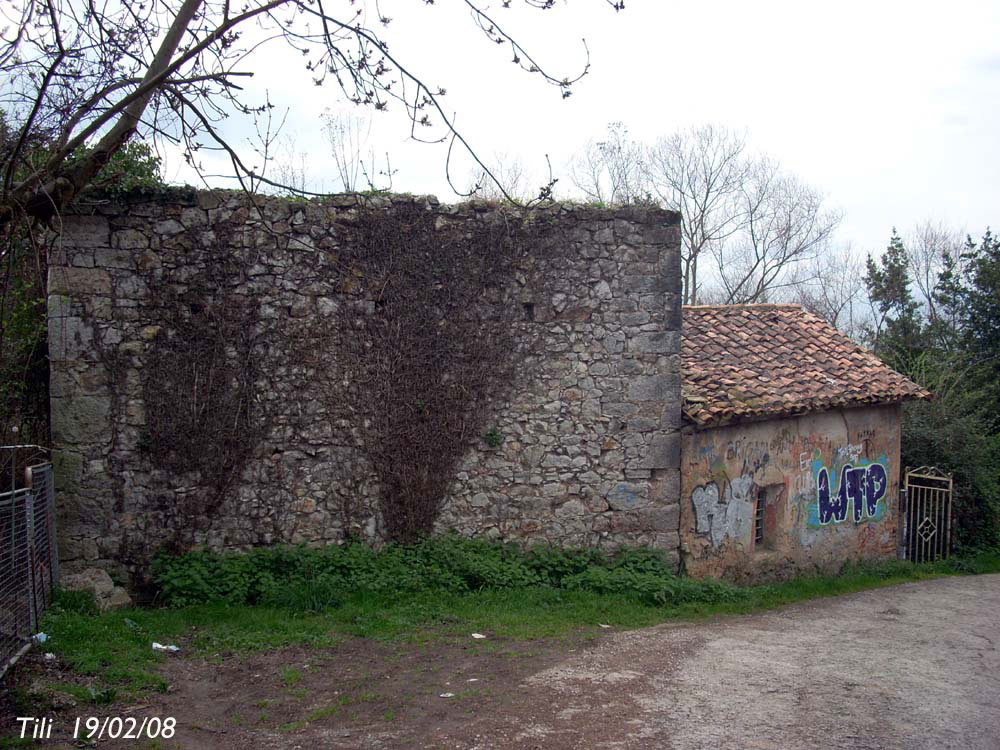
{"points": [[928, 514], [28, 559]]}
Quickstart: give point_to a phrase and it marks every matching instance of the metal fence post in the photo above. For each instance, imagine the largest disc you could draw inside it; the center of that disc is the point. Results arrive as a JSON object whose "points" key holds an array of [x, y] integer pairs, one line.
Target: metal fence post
{"points": [[29, 513], [904, 517], [28, 546]]}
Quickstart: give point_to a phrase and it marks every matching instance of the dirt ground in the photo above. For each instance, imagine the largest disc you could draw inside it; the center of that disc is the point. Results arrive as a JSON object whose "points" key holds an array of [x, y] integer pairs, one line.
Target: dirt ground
{"points": [[909, 667]]}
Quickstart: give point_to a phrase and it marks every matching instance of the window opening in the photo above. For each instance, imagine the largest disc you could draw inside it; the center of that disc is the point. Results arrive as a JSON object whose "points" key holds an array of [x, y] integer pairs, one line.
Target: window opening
{"points": [[758, 519]]}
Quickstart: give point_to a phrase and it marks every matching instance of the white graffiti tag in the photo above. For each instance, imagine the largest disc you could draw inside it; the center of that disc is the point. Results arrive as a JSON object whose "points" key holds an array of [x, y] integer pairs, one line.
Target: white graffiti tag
{"points": [[730, 516]]}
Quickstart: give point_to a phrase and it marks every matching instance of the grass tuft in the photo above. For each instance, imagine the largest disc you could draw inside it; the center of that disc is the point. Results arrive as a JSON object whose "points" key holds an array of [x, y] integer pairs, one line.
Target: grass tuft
{"points": [[291, 676], [444, 591]]}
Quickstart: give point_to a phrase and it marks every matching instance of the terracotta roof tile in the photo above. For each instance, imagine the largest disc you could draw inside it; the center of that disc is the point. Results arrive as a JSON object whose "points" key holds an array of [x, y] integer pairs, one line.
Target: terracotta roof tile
{"points": [[757, 361]]}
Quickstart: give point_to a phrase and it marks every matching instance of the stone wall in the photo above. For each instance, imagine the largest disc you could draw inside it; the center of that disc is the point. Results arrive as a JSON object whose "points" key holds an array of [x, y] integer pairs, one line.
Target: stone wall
{"points": [[589, 446], [828, 483]]}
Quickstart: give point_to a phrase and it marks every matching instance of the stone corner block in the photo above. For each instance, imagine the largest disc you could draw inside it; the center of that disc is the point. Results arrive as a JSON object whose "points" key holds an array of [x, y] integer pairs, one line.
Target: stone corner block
{"points": [[99, 583], [81, 420], [85, 231], [628, 496], [658, 342], [655, 388], [664, 452], [68, 469], [79, 282], [661, 520]]}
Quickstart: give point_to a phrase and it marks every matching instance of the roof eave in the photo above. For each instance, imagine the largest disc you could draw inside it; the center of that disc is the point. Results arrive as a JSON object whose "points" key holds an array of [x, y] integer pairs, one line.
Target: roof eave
{"points": [[799, 410]]}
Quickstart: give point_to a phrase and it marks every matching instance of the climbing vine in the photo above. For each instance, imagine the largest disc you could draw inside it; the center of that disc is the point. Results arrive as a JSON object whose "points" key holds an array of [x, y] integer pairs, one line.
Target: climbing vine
{"points": [[201, 385], [431, 338]]}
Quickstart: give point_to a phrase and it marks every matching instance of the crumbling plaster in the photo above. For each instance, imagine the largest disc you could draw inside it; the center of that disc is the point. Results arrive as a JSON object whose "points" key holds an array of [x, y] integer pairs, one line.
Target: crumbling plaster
{"points": [[726, 470]]}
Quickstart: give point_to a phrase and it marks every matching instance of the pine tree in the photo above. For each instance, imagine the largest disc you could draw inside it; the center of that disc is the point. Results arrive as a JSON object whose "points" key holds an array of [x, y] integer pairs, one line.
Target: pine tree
{"points": [[898, 331], [982, 301]]}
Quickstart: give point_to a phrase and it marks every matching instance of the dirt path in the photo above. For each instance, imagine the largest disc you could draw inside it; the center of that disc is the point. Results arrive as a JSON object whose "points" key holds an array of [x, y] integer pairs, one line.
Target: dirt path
{"points": [[913, 666], [909, 667]]}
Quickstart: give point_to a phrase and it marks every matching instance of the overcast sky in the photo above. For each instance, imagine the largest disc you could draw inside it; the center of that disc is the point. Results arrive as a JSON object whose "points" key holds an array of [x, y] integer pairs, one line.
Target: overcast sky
{"points": [[890, 109]]}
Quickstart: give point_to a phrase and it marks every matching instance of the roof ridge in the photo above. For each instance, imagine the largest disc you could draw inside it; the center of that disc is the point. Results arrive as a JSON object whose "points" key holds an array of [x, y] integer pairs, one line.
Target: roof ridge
{"points": [[749, 305]]}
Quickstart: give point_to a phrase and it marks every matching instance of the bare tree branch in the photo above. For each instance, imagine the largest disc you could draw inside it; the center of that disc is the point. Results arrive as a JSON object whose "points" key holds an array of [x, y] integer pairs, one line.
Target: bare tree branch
{"points": [[511, 180], [784, 225], [700, 173], [81, 77], [833, 289], [610, 171], [927, 247], [753, 223]]}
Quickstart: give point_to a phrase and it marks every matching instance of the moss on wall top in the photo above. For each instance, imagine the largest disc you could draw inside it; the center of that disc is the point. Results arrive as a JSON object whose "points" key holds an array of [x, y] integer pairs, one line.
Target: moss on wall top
{"points": [[186, 195]]}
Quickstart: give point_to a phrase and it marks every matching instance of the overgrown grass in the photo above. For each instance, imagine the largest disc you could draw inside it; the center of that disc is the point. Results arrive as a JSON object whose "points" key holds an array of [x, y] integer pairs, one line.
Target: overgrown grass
{"points": [[559, 593], [316, 579]]}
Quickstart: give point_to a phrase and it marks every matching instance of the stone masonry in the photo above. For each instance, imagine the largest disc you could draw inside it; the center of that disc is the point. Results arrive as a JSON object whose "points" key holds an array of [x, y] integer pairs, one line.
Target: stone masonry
{"points": [[589, 451]]}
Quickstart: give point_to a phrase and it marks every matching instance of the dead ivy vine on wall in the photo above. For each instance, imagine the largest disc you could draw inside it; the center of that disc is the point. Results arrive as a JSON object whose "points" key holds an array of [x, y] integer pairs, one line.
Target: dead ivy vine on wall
{"points": [[201, 384], [432, 338]]}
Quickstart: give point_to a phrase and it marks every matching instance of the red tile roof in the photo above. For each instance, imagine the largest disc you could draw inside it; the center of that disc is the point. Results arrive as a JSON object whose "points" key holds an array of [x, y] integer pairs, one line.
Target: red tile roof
{"points": [[741, 362]]}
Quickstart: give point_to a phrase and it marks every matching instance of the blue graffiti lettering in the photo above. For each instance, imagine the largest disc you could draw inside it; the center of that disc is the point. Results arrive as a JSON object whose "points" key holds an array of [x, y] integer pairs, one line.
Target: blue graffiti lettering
{"points": [[876, 483], [831, 507], [854, 480], [860, 487]]}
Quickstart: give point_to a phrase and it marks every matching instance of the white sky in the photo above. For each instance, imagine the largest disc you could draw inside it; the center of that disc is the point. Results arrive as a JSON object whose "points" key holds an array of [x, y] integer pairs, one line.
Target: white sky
{"points": [[891, 109]]}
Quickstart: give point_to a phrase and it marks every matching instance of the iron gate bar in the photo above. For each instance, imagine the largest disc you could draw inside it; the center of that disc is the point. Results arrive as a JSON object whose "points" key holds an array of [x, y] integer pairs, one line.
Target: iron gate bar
{"points": [[928, 493]]}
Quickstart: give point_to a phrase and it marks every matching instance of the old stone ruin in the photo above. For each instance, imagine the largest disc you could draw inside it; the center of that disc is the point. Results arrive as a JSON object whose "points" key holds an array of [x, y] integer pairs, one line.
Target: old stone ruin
{"points": [[232, 370]]}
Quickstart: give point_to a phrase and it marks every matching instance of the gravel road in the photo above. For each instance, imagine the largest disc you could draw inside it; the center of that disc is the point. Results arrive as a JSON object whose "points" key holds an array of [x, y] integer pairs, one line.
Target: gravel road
{"points": [[910, 667]]}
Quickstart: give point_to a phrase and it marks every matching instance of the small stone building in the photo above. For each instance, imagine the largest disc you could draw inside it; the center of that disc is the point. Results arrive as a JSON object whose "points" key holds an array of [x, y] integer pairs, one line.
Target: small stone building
{"points": [[790, 453]]}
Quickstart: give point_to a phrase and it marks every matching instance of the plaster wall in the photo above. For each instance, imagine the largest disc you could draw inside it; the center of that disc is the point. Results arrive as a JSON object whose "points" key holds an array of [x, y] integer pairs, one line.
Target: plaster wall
{"points": [[828, 482]]}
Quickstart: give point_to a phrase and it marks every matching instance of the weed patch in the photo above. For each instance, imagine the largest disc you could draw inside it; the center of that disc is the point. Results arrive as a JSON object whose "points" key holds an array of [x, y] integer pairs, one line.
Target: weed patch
{"points": [[315, 579], [291, 676], [441, 589]]}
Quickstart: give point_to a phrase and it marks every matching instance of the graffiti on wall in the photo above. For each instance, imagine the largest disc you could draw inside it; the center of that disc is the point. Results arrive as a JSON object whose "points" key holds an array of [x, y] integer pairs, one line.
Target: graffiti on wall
{"points": [[728, 516], [859, 486]]}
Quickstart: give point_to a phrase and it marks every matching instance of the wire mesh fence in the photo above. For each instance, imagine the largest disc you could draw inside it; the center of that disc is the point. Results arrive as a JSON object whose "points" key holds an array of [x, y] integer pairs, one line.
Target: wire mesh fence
{"points": [[28, 556]]}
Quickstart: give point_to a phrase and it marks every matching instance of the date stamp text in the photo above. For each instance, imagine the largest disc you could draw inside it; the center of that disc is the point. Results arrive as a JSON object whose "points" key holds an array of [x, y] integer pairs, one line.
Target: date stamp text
{"points": [[102, 728]]}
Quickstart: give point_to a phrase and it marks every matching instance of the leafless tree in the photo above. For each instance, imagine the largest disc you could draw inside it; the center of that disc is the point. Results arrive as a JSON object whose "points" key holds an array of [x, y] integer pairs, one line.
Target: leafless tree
{"points": [[290, 166], [699, 172], [511, 180], [610, 171], [927, 247], [80, 78], [357, 166], [783, 225], [752, 222], [832, 286]]}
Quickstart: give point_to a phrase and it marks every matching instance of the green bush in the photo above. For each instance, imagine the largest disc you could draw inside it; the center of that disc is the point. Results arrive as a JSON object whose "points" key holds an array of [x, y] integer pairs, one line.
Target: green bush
{"points": [[954, 431], [311, 579], [306, 579]]}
